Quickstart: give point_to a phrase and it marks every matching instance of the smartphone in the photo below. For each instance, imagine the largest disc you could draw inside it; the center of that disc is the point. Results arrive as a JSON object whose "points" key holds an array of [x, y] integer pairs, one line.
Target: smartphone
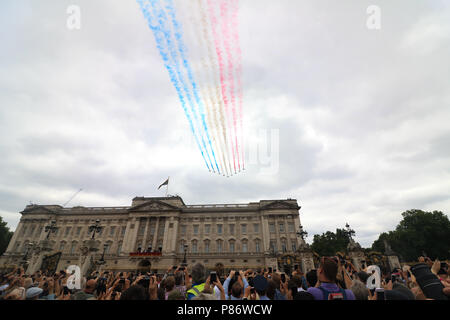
{"points": [[296, 267], [213, 276], [283, 277], [270, 269], [65, 290], [380, 293], [122, 281], [174, 267], [252, 290], [181, 269]]}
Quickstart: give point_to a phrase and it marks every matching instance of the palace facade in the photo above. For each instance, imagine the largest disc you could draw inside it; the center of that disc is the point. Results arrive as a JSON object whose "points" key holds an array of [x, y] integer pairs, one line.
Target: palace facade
{"points": [[156, 233]]}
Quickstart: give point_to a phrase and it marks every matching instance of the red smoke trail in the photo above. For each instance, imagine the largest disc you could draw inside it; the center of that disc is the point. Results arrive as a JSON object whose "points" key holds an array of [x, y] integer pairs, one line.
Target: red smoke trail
{"points": [[226, 32], [238, 55], [207, 38], [221, 67]]}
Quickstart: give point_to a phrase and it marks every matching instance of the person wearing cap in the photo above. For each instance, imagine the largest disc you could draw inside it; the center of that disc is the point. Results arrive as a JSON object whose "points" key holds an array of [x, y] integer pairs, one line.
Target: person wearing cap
{"points": [[33, 293], [260, 285], [328, 288]]}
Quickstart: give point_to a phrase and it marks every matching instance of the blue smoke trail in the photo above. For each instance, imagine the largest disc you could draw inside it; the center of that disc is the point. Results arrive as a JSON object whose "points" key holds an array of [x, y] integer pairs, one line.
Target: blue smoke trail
{"points": [[162, 19], [182, 49], [165, 56]]}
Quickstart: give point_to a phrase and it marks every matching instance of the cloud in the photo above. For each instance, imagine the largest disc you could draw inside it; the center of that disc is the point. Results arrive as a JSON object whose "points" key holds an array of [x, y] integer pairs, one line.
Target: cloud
{"points": [[362, 116]]}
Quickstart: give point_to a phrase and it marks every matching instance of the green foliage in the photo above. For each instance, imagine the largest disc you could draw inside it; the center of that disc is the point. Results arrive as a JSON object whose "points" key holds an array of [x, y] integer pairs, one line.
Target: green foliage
{"points": [[418, 232], [5, 236], [328, 243]]}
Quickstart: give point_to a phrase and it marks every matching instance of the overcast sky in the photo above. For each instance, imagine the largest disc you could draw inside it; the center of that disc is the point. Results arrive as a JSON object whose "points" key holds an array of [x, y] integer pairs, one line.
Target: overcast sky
{"points": [[362, 115]]}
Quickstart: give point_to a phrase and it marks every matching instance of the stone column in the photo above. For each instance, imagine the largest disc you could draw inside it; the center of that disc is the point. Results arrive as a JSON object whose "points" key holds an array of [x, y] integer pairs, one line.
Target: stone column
{"points": [[173, 236], [130, 235], [265, 235], [166, 237], [144, 239], [155, 236], [297, 227]]}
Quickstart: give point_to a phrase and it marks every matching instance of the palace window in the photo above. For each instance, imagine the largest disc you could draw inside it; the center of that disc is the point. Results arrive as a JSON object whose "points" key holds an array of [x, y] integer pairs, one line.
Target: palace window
{"points": [[194, 246], [244, 246], [231, 228], [207, 228], [257, 246], [196, 229], [273, 246], [294, 246], [123, 230], [272, 227], [219, 229], [219, 246], [243, 228], [141, 229], [283, 245], [256, 227], [67, 231], [73, 247], [231, 246], [78, 231], [206, 246], [183, 229], [112, 231], [291, 227], [61, 246], [281, 227]]}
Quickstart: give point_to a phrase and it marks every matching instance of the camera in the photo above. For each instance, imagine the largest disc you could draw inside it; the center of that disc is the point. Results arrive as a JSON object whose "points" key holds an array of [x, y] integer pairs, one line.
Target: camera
{"points": [[283, 277], [428, 282], [213, 276], [66, 290], [380, 294], [252, 290], [270, 269]]}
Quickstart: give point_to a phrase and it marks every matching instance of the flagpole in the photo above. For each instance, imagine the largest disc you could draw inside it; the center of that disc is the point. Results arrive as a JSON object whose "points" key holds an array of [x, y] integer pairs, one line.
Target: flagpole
{"points": [[167, 189]]}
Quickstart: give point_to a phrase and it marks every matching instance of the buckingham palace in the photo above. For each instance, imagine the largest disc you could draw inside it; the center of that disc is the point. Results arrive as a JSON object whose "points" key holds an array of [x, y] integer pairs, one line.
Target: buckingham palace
{"points": [[156, 233]]}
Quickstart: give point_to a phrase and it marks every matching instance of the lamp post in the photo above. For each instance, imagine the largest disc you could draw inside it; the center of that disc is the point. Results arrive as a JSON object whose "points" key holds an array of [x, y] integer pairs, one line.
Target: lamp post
{"points": [[301, 233], [51, 228], [102, 259], [95, 228], [349, 232], [185, 247]]}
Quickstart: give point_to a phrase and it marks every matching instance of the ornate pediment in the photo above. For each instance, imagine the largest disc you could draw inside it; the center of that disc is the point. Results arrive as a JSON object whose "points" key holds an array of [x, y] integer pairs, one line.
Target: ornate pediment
{"points": [[154, 205], [279, 204]]}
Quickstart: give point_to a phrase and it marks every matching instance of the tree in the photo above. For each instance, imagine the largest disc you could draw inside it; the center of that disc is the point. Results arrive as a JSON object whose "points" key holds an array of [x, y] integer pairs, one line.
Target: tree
{"points": [[5, 236], [419, 231], [328, 243]]}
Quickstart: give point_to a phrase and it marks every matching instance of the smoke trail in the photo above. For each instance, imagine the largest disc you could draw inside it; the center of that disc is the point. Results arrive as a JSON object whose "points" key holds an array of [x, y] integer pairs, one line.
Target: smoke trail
{"points": [[157, 33], [217, 102], [238, 55], [162, 19], [181, 48], [226, 33], [221, 68], [204, 80]]}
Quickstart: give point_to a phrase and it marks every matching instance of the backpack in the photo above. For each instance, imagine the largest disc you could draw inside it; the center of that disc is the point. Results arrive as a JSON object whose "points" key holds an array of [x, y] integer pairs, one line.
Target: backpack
{"points": [[330, 295]]}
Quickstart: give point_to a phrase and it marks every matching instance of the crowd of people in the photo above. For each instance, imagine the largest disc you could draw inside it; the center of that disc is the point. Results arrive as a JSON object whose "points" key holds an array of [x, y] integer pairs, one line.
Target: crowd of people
{"points": [[334, 279]]}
